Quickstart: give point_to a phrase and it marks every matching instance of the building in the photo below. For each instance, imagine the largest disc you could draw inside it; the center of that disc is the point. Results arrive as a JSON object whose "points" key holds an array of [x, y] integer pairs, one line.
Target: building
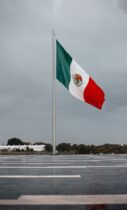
{"points": [[37, 148]]}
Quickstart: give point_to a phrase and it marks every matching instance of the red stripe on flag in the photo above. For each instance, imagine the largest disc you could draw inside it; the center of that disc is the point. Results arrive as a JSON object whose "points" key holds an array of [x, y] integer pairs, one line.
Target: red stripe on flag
{"points": [[93, 94]]}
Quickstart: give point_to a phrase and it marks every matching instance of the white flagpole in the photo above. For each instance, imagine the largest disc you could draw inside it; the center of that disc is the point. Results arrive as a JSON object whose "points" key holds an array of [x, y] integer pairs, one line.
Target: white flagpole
{"points": [[53, 92]]}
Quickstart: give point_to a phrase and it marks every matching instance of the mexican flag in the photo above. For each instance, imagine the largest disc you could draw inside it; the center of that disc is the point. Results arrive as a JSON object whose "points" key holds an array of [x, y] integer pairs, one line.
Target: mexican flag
{"points": [[76, 80]]}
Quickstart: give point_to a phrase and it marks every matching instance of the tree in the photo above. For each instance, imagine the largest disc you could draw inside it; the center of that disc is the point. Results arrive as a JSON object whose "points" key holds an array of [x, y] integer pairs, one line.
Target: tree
{"points": [[81, 149], [14, 141], [63, 147], [75, 148], [29, 149], [48, 147]]}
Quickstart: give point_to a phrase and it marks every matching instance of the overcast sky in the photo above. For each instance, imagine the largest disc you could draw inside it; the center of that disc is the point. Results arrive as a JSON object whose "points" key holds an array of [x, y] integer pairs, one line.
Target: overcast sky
{"points": [[94, 32]]}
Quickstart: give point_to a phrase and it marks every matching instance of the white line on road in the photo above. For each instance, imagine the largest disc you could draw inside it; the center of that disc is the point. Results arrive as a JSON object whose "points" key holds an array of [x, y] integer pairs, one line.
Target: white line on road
{"points": [[41, 176], [60, 161], [66, 200], [60, 167], [28, 163]]}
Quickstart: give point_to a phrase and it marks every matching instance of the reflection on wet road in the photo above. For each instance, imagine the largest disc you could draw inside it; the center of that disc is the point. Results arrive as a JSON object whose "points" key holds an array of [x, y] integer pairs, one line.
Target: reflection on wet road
{"points": [[63, 182]]}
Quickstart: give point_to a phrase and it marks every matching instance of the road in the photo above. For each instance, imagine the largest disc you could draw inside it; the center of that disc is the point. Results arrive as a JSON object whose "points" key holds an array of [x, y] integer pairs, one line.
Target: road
{"points": [[77, 182]]}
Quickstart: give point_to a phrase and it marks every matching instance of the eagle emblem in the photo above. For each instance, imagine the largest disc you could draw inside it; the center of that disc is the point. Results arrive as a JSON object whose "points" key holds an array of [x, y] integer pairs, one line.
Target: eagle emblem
{"points": [[77, 80]]}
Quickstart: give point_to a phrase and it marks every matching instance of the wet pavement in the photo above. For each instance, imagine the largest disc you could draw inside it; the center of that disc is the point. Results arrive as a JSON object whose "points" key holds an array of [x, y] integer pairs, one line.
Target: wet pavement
{"points": [[62, 175]]}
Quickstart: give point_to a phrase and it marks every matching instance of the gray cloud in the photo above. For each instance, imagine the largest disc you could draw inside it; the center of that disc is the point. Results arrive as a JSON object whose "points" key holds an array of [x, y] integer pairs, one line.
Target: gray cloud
{"points": [[123, 5], [95, 34]]}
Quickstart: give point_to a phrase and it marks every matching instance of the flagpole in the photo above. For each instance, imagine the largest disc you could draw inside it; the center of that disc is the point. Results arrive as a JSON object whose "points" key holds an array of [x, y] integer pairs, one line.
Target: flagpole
{"points": [[53, 93]]}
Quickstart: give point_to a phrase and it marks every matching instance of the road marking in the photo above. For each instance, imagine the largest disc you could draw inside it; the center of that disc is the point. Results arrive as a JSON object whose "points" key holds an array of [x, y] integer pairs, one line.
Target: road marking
{"points": [[60, 167], [66, 200], [25, 163], [61, 161], [41, 176]]}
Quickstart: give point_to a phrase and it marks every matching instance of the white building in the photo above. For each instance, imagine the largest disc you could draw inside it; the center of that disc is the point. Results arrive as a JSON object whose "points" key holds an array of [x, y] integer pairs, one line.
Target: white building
{"points": [[37, 148]]}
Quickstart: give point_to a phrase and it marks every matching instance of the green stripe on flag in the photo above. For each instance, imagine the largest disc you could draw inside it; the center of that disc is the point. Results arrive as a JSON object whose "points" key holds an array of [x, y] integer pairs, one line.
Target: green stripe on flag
{"points": [[63, 61]]}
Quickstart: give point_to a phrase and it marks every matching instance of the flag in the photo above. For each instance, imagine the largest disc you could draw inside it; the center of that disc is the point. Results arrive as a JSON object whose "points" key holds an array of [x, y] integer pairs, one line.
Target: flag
{"points": [[76, 80]]}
